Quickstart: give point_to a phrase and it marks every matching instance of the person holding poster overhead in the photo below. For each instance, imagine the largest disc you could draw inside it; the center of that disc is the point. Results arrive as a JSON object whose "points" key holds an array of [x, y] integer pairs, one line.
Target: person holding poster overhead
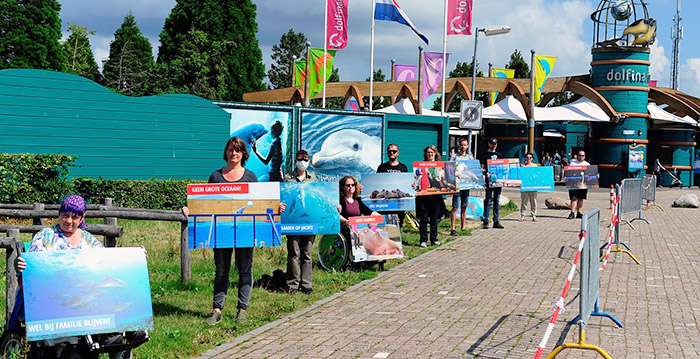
{"points": [[428, 208], [235, 154], [460, 200], [393, 166], [300, 247], [528, 196], [576, 196], [493, 191]]}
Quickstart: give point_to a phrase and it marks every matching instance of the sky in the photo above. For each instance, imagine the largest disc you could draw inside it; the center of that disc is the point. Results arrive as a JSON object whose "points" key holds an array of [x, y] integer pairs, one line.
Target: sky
{"points": [[560, 28]]}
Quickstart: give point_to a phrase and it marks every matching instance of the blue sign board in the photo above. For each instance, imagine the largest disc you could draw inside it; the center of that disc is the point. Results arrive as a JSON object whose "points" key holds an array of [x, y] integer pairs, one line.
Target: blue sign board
{"points": [[311, 208], [388, 191]]}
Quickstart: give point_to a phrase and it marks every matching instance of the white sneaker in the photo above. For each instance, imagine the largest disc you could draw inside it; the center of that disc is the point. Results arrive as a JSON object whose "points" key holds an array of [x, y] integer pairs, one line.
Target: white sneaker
{"points": [[423, 245]]}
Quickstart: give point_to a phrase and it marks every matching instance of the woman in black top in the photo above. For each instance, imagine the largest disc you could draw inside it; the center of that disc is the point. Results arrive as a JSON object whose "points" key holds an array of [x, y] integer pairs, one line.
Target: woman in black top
{"points": [[429, 207], [350, 204]]}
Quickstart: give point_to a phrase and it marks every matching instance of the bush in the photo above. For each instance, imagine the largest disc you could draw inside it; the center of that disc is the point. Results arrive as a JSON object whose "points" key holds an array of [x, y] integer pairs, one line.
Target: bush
{"points": [[154, 194], [29, 178]]}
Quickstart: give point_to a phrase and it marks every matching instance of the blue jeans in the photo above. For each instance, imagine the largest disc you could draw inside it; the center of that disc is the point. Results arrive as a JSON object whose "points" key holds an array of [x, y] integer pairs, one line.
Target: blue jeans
{"points": [[493, 195]]}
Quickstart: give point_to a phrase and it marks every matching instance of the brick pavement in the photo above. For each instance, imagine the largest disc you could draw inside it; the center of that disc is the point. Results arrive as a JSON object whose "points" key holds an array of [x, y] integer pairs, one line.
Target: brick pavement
{"points": [[490, 295]]}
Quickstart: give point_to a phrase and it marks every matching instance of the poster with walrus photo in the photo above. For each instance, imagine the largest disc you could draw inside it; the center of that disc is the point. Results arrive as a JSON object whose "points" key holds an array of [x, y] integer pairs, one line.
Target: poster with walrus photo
{"points": [[388, 191], [581, 177]]}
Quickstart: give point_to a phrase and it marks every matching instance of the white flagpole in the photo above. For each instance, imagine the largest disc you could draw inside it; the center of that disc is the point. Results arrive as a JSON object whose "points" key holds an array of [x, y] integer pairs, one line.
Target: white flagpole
{"points": [[371, 57], [444, 63], [325, 47]]}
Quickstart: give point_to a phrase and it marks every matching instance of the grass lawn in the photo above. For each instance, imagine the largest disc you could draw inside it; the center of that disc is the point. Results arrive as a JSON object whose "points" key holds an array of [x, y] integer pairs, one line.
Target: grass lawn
{"points": [[180, 309]]}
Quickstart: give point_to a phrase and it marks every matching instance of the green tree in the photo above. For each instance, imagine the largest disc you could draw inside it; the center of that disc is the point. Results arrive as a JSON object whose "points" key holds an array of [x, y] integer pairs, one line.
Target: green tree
{"points": [[208, 48], [130, 61], [79, 57], [291, 48], [377, 101], [463, 69], [522, 70], [29, 35]]}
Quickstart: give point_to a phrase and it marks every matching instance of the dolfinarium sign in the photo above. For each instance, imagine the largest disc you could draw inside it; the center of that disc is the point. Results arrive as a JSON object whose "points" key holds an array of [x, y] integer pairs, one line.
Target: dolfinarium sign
{"points": [[627, 76]]}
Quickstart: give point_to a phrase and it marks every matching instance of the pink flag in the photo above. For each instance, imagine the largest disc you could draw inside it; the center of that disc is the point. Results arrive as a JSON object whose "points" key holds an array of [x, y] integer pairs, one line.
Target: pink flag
{"points": [[459, 17], [405, 72], [433, 66], [337, 24]]}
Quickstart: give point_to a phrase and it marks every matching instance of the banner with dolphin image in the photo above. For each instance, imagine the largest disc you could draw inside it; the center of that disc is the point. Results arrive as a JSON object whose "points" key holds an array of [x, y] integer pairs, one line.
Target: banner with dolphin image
{"points": [[341, 145], [469, 174], [311, 208], [388, 191], [271, 131], [86, 291], [233, 215]]}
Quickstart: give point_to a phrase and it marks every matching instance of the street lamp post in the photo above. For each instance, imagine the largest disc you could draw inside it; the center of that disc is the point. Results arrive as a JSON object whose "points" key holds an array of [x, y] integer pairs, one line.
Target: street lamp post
{"points": [[488, 31]]}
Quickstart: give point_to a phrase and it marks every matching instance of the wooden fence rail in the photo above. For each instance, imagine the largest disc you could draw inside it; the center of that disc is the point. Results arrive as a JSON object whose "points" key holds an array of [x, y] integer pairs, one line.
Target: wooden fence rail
{"points": [[11, 246], [109, 229]]}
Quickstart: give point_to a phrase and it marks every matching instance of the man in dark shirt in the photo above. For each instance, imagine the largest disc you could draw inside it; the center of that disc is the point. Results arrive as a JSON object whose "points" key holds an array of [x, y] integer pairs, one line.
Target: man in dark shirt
{"points": [[393, 166], [493, 191]]}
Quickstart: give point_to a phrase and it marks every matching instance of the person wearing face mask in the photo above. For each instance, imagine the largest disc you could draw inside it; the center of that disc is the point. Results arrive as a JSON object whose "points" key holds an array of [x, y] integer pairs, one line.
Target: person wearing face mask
{"points": [[300, 248]]}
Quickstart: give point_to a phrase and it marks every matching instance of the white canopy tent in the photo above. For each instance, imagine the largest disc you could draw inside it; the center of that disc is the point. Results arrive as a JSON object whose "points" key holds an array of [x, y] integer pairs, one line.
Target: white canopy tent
{"points": [[659, 114], [404, 106]]}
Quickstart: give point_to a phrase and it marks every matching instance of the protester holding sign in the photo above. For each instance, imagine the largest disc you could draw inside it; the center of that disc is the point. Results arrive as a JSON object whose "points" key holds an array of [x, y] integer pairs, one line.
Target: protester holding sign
{"points": [[528, 196], [576, 196], [300, 247], [429, 207], [460, 200], [351, 204], [235, 155], [493, 191], [393, 166]]}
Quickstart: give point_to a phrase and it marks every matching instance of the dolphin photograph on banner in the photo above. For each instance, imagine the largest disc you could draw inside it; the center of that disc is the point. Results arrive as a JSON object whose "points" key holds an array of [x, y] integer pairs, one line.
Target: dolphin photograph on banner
{"points": [[469, 174], [341, 145], [311, 208], [475, 208], [581, 177], [375, 238], [537, 179], [434, 177], [233, 215], [86, 291], [268, 135], [388, 191], [504, 172]]}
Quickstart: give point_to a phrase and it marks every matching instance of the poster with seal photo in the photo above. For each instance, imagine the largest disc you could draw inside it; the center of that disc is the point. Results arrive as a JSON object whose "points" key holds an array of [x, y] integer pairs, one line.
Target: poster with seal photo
{"points": [[375, 238], [435, 177], [388, 191]]}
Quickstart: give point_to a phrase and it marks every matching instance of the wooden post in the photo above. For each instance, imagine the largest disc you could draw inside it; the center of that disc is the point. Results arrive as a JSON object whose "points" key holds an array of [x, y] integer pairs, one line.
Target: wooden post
{"points": [[11, 283], [110, 241], [38, 207], [185, 255]]}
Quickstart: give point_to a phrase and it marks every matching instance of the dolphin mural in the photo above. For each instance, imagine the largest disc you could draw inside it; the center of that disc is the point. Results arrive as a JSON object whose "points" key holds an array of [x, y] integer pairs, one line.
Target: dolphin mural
{"points": [[349, 149], [249, 132]]}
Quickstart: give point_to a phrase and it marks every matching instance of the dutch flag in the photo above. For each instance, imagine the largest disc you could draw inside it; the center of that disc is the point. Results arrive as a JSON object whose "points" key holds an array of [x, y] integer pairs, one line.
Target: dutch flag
{"points": [[389, 10]]}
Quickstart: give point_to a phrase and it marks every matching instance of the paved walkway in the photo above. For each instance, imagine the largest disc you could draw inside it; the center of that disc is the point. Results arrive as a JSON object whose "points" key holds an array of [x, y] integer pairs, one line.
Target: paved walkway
{"points": [[490, 295]]}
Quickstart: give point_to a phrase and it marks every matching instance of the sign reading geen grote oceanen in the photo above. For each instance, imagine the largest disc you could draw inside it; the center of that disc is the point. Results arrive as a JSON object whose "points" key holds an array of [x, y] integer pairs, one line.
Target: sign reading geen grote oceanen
{"points": [[86, 291]]}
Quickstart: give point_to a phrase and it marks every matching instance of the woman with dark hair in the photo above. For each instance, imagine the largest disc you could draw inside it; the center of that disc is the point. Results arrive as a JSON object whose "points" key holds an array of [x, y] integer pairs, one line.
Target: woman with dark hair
{"points": [[429, 207], [529, 196], [350, 204], [274, 157], [235, 155]]}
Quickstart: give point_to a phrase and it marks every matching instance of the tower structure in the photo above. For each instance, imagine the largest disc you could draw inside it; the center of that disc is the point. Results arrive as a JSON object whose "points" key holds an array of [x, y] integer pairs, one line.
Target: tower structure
{"points": [[676, 36]]}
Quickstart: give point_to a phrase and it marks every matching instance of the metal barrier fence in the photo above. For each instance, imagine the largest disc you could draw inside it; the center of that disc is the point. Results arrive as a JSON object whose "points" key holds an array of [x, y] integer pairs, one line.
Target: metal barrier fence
{"points": [[649, 188], [631, 197], [590, 264]]}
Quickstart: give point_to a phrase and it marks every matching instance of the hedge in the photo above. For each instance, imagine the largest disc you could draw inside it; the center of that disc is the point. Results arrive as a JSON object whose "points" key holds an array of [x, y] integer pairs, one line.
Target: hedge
{"points": [[43, 178]]}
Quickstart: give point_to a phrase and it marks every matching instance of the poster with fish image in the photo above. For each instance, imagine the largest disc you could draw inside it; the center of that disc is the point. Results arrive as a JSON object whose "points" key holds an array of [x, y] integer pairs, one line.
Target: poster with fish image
{"points": [[469, 174], [341, 145], [388, 191], [539, 178], [375, 238], [434, 177], [233, 215], [311, 208], [581, 177], [271, 132], [504, 172], [86, 291]]}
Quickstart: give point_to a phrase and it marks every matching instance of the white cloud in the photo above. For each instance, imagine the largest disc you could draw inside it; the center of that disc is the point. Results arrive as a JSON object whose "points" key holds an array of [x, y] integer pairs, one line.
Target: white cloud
{"points": [[689, 77], [660, 65]]}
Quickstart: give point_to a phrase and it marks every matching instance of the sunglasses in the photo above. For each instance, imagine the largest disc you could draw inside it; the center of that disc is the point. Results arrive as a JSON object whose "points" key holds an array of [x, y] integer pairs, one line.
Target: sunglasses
{"points": [[581, 155], [392, 151], [349, 185]]}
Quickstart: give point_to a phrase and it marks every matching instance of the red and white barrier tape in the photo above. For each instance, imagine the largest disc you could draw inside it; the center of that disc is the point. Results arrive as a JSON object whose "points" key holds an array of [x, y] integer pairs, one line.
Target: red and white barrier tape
{"points": [[611, 233], [559, 305]]}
